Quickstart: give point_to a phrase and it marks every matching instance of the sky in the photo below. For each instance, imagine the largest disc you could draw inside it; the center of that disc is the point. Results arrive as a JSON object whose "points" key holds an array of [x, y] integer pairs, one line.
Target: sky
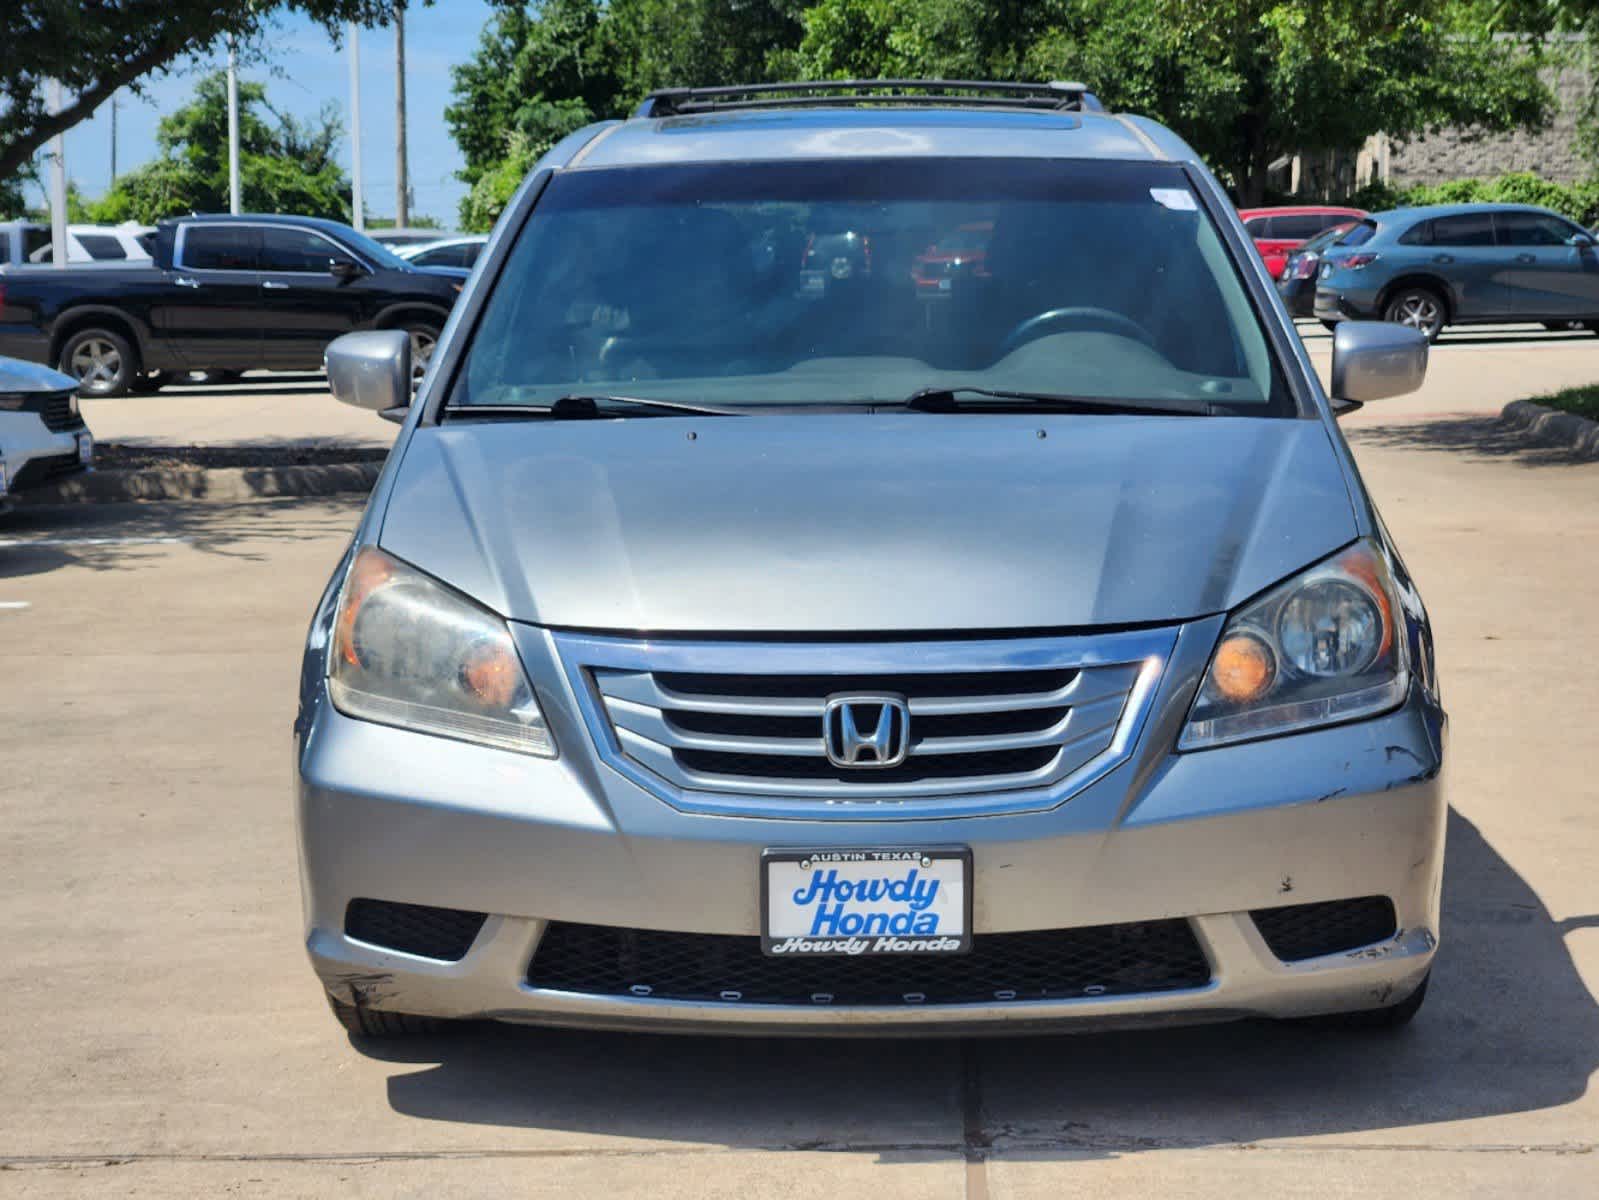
{"points": [[302, 71]]}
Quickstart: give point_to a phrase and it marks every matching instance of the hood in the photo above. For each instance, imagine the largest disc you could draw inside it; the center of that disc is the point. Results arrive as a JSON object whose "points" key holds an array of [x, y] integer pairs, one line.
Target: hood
{"points": [[834, 523]]}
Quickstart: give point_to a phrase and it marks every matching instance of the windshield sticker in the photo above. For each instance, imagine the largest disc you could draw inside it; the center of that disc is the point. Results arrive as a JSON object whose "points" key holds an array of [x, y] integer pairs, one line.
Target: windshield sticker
{"points": [[1177, 199]]}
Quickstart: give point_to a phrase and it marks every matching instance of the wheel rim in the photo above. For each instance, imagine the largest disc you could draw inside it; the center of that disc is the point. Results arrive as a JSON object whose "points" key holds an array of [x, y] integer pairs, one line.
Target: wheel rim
{"points": [[1418, 311], [422, 343], [97, 364]]}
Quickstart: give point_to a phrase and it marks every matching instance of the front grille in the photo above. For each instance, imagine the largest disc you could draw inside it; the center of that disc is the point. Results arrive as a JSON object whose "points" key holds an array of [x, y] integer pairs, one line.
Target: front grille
{"points": [[1299, 931], [39, 471], [59, 413], [442, 933], [762, 733], [1055, 964]]}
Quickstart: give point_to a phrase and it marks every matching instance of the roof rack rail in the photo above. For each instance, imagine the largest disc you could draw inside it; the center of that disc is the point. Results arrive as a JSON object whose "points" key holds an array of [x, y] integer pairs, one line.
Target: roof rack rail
{"points": [[1059, 96]]}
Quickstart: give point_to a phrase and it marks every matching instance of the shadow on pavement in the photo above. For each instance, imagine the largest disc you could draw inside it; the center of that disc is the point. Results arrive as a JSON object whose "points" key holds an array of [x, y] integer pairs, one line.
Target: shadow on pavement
{"points": [[1486, 437], [1509, 1027], [109, 537]]}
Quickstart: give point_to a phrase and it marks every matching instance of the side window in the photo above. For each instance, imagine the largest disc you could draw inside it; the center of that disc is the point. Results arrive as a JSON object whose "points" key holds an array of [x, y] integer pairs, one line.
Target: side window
{"points": [[1419, 234], [219, 248], [102, 245], [298, 250], [1468, 229], [1533, 229], [1298, 227], [36, 245], [1256, 227]]}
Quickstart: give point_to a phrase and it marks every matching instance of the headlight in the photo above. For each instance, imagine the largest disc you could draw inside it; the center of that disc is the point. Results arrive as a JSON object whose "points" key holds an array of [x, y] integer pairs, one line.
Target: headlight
{"points": [[1324, 647], [410, 652]]}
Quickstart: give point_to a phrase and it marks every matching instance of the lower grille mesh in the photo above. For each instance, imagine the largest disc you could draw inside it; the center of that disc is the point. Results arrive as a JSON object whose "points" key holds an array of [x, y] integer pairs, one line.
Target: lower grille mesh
{"points": [[1103, 960], [442, 933], [1299, 931]]}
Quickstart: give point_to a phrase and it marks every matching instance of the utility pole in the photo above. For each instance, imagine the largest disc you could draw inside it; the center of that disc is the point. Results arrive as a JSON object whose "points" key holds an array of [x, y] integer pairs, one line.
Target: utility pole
{"points": [[58, 185], [402, 175], [357, 193], [113, 141], [233, 130]]}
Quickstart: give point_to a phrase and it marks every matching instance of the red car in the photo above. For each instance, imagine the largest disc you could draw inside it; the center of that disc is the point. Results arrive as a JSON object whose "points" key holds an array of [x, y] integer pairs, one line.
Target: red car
{"points": [[963, 254], [1278, 232]]}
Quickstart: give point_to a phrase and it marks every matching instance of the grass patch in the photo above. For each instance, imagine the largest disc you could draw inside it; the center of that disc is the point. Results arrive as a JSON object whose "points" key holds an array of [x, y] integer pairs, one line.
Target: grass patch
{"points": [[1584, 401]]}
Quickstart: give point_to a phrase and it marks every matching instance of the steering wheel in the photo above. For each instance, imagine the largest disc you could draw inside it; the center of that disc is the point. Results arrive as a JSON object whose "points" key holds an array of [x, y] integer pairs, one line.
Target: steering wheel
{"points": [[1082, 316]]}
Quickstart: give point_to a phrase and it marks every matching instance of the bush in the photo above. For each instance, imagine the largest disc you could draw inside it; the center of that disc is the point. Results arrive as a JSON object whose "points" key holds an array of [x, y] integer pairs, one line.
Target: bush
{"points": [[1578, 201]]}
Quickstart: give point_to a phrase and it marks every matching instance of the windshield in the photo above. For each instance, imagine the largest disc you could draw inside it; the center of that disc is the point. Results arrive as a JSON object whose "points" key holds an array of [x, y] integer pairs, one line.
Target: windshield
{"points": [[1326, 238], [818, 283], [372, 251]]}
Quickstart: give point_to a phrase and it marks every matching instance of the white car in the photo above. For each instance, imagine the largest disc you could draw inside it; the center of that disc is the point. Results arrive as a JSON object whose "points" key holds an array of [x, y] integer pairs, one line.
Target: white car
{"points": [[446, 252], [29, 242], [42, 434]]}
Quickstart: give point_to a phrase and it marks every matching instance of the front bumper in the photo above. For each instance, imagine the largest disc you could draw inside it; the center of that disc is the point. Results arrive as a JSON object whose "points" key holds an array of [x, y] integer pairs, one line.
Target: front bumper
{"points": [[1207, 837], [32, 455]]}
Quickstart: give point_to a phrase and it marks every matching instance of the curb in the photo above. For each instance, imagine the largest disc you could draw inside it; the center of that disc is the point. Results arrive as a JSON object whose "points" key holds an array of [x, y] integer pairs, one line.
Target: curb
{"points": [[1549, 426], [221, 484]]}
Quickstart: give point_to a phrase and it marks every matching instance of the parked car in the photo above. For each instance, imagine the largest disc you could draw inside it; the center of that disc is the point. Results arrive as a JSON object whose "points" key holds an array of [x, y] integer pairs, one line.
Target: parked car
{"points": [[394, 238], [460, 252], [226, 294], [29, 242], [1277, 232], [1297, 283], [713, 655], [1462, 264], [958, 257], [42, 434]]}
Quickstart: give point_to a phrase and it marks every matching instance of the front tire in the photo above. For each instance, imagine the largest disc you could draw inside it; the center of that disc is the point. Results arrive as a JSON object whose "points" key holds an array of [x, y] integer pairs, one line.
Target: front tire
{"points": [[101, 361], [1421, 308]]}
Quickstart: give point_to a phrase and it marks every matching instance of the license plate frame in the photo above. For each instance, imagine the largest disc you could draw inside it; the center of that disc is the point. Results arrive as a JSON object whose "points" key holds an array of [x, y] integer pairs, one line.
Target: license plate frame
{"points": [[855, 859]]}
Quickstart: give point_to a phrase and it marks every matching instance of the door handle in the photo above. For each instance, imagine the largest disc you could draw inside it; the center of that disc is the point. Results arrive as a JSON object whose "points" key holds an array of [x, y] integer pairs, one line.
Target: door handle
{"points": [[1443, 258], [274, 285], [1526, 258], [185, 281]]}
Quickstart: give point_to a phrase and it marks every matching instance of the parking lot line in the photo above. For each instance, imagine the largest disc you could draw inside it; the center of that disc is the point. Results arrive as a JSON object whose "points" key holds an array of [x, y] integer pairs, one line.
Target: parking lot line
{"points": [[18, 543]]}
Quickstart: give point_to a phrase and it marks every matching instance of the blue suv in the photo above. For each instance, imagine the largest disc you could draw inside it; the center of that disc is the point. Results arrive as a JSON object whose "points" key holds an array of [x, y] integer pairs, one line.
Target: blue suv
{"points": [[1462, 264]]}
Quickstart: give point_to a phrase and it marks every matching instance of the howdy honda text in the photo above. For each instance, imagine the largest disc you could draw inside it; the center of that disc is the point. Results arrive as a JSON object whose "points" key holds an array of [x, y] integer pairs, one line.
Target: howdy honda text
{"points": [[881, 945]]}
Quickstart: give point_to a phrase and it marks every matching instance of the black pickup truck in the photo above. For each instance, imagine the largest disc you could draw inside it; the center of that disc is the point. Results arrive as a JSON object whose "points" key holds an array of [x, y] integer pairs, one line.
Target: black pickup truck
{"points": [[224, 295]]}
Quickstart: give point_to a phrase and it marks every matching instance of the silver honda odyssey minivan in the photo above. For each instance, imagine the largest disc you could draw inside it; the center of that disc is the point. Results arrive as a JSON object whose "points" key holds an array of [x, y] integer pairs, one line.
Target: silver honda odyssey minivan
{"points": [[870, 560]]}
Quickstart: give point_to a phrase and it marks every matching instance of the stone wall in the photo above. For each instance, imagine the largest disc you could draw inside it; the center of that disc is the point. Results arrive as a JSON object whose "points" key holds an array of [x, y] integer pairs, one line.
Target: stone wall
{"points": [[1465, 154]]}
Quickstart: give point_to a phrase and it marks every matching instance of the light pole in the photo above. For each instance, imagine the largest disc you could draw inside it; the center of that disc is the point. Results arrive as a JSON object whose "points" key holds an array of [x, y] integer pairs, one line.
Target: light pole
{"points": [[58, 185], [357, 192], [233, 130], [402, 181]]}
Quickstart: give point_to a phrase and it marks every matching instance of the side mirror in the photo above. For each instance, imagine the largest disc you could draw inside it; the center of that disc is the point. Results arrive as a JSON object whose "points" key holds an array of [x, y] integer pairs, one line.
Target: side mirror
{"points": [[371, 369], [1582, 241], [1373, 360], [344, 270]]}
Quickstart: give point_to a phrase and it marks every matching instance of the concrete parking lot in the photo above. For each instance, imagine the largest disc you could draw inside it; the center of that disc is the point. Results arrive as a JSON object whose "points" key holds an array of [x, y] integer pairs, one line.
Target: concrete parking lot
{"points": [[164, 1035]]}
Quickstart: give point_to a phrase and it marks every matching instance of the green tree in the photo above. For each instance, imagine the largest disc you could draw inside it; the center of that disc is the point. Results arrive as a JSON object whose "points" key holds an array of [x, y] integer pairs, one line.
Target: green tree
{"points": [[534, 79], [1245, 81], [96, 48], [285, 165]]}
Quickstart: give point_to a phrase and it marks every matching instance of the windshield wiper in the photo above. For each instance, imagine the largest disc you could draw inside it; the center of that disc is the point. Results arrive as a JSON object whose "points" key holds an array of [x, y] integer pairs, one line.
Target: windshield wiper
{"points": [[579, 407], [947, 399]]}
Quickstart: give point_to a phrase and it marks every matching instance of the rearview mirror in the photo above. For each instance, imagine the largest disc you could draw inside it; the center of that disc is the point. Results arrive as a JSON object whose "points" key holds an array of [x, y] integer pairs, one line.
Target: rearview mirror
{"points": [[1373, 360], [371, 369]]}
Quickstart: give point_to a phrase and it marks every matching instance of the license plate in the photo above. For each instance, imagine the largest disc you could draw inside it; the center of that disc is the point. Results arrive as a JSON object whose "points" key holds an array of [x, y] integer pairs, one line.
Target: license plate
{"points": [[85, 449], [866, 901]]}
